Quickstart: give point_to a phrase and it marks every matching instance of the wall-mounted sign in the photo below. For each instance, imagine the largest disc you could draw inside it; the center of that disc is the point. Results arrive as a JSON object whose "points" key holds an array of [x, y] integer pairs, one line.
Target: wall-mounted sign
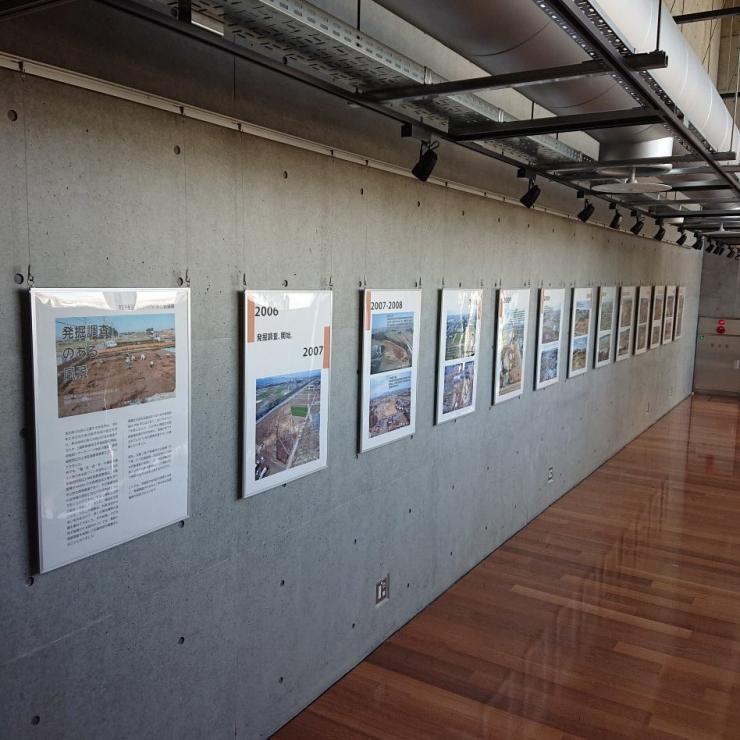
{"points": [[287, 361], [656, 328], [511, 343], [605, 320], [626, 322], [670, 309], [459, 343], [390, 357], [680, 303], [642, 337], [549, 333], [580, 331], [112, 409]]}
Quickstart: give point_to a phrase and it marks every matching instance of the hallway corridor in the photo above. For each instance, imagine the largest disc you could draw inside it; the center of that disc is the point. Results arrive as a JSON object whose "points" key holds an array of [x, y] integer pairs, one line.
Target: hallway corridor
{"points": [[614, 614]]}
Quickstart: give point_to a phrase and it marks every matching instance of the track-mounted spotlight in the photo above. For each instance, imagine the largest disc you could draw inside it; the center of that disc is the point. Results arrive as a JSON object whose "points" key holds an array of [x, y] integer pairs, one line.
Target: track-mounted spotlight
{"points": [[682, 239], [588, 211], [710, 245], [427, 161], [530, 197], [616, 222], [639, 224], [719, 250], [731, 252], [660, 233], [699, 243]]}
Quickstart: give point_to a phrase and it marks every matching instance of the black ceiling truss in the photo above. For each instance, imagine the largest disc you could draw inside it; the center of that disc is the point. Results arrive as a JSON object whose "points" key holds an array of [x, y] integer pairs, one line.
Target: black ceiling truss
{"points": [[629, 69], [706, 15]]}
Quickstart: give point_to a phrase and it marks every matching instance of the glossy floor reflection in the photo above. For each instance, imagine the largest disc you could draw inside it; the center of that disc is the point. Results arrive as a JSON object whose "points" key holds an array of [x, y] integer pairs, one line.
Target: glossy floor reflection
{"points": [[615, 614]]}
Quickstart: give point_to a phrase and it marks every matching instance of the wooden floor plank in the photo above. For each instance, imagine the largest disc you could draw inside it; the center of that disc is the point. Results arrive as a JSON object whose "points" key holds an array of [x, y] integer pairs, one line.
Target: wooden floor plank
{"points": [[614, 614]]}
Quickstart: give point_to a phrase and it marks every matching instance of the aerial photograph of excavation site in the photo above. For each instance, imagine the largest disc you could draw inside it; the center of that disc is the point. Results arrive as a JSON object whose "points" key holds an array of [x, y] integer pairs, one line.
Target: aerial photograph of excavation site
{"points": [[390, 403], [578, 354], [582, 317], [392, 341], [458, 386], [106, 362], [288, 422], [460, 334]]}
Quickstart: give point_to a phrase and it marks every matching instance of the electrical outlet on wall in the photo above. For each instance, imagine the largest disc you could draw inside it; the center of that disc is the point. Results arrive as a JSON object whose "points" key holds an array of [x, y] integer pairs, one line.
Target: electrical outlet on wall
{"points": [[647, 409], [550, 474], [382, 589]]}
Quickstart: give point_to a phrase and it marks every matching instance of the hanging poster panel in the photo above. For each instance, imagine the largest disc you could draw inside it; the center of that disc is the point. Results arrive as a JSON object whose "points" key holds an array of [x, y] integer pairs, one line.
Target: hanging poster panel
{"points": [[390, 356], [643, 319], [287, 361], [580, 331], [605, 321], [459, 345], [549, 333], [626, 322], [670, 309], [511, 343], [111, 373], [680, 302], [657, 323]]}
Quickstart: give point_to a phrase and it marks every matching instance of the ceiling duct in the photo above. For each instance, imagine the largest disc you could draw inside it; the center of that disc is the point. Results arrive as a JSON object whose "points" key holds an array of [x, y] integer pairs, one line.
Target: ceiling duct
{"points": [[512, 36]]}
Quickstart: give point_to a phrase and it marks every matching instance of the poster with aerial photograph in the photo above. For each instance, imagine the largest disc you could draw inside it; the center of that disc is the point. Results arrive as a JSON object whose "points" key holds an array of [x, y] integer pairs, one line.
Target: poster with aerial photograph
{"points": [[549, 334], [656, 326], [644, 293], [580, 331], [390, 352], [459, 343], [669, 313], [680, 302], [287, 364], [605, 321], [626, 321], [112, 407], [511, 343]]}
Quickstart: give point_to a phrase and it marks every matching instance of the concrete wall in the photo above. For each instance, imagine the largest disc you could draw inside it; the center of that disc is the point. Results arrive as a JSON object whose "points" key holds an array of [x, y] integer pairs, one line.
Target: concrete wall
{"points": [[274, 596], [720, 287]]}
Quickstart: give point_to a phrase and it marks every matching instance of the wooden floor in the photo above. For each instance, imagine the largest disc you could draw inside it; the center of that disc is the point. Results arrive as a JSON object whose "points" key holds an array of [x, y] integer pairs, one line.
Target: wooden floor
{"points": [[615, 614]]}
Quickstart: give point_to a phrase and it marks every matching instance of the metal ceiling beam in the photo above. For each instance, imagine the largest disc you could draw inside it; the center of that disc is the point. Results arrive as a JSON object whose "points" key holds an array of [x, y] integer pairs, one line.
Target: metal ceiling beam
{"points": [[706, 15], [638, 62], [557, 124], [15, 8], [704, 215], [582, 26], [637, 162]]}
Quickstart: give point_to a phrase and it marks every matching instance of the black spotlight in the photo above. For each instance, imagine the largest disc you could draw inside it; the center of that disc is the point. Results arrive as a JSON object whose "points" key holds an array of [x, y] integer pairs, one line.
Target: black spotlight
{"points": [[530, 197], [616, 222], [731, 252], [639, 224], [699, 243], [660, 233], [710, 246], [427, 161], [682, 239], [587, 212], [719, 250]]}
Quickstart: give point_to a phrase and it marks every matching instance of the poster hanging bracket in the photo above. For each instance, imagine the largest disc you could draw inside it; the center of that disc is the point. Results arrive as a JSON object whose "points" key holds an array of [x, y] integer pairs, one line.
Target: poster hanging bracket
{"points": [[187, 277], [443, 281], [29, 277], [244, 280], [331, 282]]}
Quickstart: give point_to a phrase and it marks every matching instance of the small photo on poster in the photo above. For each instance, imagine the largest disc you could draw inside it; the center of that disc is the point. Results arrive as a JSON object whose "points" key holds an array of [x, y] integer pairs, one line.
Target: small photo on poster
{"points": [[392, 341], [579, 353], [626, 313], [642, 336], [461, 334], [604, 348], [459, 383], [106, 362], [644, 310], [582, 318], [390, 403], [288, 422], [623, 342], [655, 336], [549, 362], [606, 311]]}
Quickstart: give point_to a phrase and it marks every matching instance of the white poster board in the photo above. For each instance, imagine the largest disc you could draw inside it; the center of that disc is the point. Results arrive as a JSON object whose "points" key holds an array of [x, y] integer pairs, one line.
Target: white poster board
{"points": [[605, 321], [459, 348], [390, 357], [511, 343], [287, 361], [642, 335], [549, 333], [670, 309], [657, 322], [580, 331], [680, 303], [626, 322], [112, 414]]}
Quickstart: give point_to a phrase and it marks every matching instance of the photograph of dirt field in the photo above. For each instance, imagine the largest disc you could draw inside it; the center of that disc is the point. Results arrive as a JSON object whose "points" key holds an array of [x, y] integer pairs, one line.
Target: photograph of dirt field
{"points": [[551, 324], [626, 313], [604, 347], [623, 346], [641, 336], [658, 308], [390, 403], [391, 342], [669, 305], [459, 382], [583, 316], [642, 316], [288, 422], [655, 335], [106, 362], [460, 334], [606, 314], [511, 352], [578, 353]]}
